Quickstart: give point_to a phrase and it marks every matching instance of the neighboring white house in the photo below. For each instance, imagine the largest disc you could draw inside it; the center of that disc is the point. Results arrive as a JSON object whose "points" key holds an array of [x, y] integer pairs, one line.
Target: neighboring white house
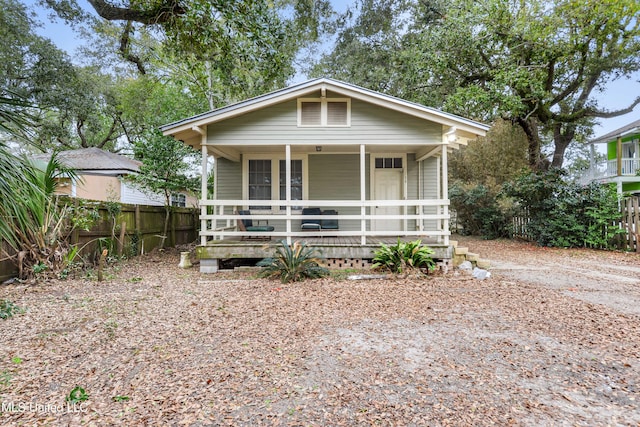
{"points": [[377, 164], [100, 177]]}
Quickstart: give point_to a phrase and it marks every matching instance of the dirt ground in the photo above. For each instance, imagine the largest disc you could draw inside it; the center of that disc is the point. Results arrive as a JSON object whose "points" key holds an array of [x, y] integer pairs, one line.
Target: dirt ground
{"points": [[552, 338]]}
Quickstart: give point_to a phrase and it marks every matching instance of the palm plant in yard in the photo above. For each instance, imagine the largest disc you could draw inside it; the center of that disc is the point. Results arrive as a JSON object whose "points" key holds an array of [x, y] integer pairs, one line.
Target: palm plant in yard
{"points": [[404, 257], [293, 263], [34, 226]]}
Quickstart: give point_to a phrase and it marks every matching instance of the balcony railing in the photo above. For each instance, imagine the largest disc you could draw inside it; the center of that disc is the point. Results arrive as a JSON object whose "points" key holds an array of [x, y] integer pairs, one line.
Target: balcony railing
{"points": [[609, 169], [416, 218]]}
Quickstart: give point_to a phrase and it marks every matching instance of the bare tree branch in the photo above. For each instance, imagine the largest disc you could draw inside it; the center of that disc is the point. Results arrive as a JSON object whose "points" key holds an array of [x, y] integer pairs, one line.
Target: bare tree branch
{"points": [[126, 52], [609, 114]]}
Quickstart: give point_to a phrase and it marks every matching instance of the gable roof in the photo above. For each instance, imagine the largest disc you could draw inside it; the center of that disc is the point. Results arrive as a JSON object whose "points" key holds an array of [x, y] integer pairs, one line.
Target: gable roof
{"points": [[95, 160], [189, 127], [630, 129]]}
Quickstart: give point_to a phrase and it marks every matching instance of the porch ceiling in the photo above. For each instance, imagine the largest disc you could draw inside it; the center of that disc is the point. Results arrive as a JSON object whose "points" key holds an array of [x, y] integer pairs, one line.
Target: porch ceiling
{"points": [[328, 148]]}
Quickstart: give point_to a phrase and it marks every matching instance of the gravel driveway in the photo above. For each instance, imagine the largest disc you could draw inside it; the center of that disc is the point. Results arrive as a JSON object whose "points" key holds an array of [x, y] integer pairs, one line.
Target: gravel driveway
{"points": [[607, 278], [550, 339]]}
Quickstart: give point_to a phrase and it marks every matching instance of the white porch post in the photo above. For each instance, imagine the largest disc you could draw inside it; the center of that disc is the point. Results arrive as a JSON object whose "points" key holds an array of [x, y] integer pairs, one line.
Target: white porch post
{"points": [[203, 189], [288, 190], [445, 194], [420, 209], [363, 196]]}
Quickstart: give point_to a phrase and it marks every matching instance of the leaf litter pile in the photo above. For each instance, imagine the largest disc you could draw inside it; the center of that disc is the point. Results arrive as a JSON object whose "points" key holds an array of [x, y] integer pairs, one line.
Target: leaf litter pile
{"points": [[158, 345]]}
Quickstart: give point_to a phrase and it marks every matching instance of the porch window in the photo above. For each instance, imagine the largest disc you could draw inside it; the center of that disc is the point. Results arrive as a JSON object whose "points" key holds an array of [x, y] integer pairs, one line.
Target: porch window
{"points": [[259, 182], [265, 178], [388, 162], [324, 112], [296, 181]]}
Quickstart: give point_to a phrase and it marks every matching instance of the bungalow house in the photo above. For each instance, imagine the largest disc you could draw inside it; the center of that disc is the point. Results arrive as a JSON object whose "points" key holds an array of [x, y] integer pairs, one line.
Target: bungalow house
{"points": [[369, 166], [100, 177], [622, 159]]}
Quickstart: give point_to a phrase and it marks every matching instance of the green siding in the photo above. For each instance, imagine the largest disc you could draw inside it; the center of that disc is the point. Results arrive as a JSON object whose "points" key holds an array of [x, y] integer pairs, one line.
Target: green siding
{"points": [[277, 125], [612, 145], [229, 183], [630, 186], [337, 177], [611, 150], [430, 188], [229, 179]]}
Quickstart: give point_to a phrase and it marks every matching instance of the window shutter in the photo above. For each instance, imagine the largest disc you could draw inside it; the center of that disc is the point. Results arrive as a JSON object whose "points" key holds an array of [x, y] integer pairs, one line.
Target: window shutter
{"points": [[337, 113], [310, 113]]}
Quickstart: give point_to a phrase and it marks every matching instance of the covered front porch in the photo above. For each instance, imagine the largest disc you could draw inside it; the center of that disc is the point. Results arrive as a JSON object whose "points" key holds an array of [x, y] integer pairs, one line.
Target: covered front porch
{"points": [[370, 203], [322, 161]]}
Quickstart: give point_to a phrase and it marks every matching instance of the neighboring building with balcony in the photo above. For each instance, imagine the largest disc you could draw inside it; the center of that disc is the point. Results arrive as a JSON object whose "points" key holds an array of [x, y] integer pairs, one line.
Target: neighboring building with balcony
{"points": [[622, 159]]}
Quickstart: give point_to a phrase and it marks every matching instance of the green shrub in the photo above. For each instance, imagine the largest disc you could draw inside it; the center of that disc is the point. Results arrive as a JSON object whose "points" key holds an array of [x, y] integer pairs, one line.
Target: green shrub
{"points": [[293, 263], [404, 257], [479, 211], [565, 214]]}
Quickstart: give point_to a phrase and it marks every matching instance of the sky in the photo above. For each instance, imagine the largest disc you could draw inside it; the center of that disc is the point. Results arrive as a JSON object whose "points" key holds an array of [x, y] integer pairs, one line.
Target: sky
{"points": [[618, 95]]}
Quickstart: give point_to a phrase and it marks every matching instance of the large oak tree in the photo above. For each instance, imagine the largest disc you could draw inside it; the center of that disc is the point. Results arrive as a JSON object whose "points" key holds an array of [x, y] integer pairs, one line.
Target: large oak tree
{"points": [[539, 63]]}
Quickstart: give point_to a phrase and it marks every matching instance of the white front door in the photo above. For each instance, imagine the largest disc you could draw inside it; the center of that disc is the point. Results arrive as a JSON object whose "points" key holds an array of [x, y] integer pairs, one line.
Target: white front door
{"points": [[388, 186]]}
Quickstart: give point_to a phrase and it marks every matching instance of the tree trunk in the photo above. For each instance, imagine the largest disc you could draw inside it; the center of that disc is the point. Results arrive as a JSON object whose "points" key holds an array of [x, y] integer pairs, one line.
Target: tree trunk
{"points": [[530, 128], [561, 142], [167, 210]]}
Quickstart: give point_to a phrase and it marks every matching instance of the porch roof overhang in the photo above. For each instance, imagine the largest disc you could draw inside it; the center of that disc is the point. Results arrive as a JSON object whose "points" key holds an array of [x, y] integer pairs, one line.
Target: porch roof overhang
{"points": [[627, 130], [192, 129]]}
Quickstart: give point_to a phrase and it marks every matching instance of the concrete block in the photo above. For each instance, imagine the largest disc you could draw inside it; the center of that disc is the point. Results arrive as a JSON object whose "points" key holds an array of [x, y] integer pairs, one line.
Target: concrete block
{"points": [[461, 251], [208, 265], [473, 257], [483, 263], [458, 259]]}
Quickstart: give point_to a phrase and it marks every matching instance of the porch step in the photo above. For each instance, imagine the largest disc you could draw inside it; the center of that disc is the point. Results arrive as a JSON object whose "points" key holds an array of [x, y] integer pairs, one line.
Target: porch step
{"points": [[462, 254], [473, 257], [460, 251]]}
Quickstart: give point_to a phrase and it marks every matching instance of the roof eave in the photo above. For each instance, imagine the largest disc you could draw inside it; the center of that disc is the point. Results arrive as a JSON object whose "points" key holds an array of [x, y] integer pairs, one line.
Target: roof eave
{"points": [[186, 127], [612, 137]]}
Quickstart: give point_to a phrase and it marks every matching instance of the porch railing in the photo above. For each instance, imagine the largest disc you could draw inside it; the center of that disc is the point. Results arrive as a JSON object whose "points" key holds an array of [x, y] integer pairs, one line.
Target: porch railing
{"points": [[219, 217], [609, 169]]}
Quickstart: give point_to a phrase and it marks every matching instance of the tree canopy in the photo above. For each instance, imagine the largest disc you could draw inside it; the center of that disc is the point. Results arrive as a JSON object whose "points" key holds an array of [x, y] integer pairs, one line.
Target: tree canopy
{"points": [[539, 63]]}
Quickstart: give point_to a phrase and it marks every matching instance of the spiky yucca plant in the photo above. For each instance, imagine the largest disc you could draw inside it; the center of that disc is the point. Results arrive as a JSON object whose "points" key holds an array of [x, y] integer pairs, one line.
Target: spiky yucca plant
{"points": [[33, 225], [404, 257], [293, 263]]}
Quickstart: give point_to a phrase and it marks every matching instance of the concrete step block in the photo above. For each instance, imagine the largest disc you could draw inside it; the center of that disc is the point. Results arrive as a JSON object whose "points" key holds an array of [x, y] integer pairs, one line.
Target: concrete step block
{"points": [[458, 259], [461, 251], [483, 263], [472, 257]]}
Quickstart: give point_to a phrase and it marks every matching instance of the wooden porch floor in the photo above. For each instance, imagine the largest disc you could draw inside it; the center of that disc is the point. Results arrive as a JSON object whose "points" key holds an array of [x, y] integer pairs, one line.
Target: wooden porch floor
{"points": [[336, 247]]}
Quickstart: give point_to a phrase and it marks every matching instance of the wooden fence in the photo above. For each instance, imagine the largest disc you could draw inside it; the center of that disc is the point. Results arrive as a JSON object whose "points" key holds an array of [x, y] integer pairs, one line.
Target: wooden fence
{"points": [[138, 229], [629, 222]]}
